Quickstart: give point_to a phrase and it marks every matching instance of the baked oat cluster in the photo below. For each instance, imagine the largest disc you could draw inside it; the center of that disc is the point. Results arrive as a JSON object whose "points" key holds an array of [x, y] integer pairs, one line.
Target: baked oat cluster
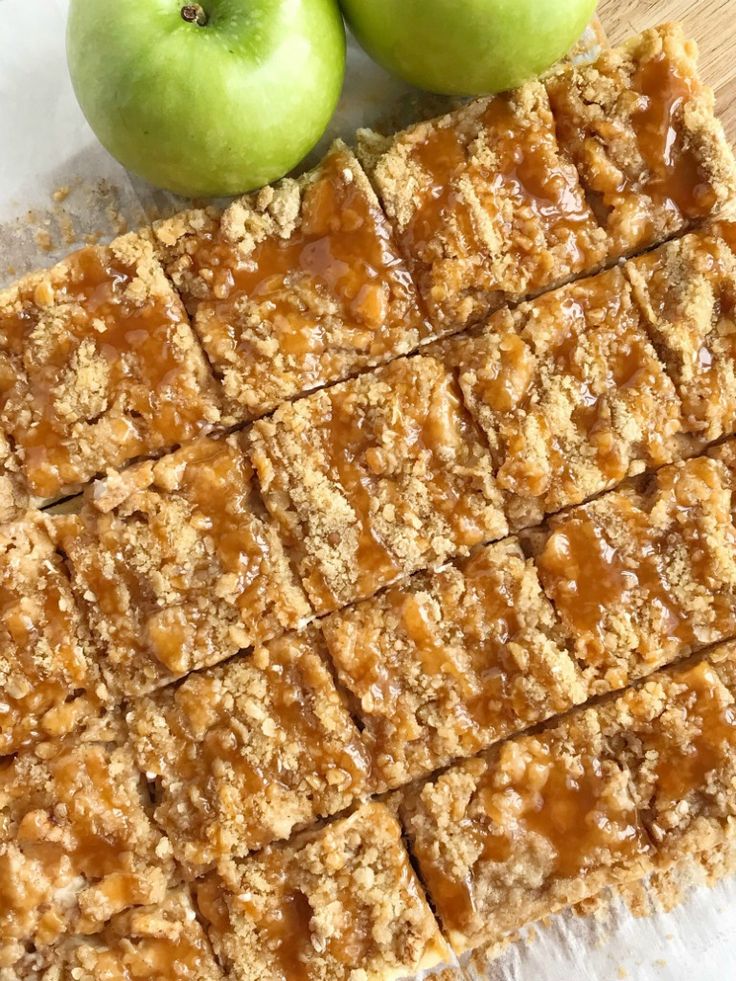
{"points": [[386, 472]]}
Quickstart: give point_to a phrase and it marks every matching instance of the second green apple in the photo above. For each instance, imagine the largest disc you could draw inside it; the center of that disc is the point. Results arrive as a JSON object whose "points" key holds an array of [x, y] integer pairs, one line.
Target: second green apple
{"points": [[467, 47]]}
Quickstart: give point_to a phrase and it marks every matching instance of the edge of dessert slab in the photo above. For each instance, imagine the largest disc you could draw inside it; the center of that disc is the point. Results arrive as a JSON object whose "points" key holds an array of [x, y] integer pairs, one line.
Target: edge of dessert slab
{"points": [[710, 22]]}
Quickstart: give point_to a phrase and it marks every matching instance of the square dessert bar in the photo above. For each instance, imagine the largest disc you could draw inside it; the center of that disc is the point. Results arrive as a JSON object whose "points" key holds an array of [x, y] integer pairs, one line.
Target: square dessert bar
{"points": [[540, 823], [376, 478], [98, 365], [570, 394], [178, 565], [677, 736], [164, 942], [340, 904], [687, 290], [49, 678], [447, 663], [644, 574], [247, 752], [485, 206], [77, 845], [638, 123], [292, 287]]}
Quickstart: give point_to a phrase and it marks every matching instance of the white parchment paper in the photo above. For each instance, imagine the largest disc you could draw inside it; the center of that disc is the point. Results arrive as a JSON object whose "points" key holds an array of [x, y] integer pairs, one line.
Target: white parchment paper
{"points": [[58, 189]]}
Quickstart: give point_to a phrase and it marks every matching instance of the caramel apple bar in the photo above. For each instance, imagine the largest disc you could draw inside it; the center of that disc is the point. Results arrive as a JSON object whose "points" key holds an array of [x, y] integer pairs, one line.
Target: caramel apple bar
{"points": [[245, 753], [179, 566], [570, 394], [540, 823], [164, 942], [687, 290], [447, 663], [640, 126], [292, 287], [644, 574], [375, 478], [98, 365], [677, 737], [486, 208], [49, 678], [339, 904], [77, 845]]}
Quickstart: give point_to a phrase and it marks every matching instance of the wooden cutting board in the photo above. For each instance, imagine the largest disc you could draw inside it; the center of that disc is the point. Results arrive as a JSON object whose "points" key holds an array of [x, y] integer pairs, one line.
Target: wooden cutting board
{"points": [[711, 22]]}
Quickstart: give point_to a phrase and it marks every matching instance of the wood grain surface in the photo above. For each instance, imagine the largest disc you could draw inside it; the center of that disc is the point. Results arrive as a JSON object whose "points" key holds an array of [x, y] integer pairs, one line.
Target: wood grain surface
{"points": [[711, 22]]}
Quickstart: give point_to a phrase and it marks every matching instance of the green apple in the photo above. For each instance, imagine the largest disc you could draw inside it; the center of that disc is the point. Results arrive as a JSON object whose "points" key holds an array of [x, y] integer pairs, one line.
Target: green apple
{"points": [[467, 47], [211, 98]]}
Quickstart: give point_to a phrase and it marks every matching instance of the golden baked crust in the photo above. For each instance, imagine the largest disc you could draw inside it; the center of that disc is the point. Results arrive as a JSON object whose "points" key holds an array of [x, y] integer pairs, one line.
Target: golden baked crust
{"points": [[292, 287], [77, 845], [446, 663], [247, 752], [164, 942], [687, 290], [375, 478], [14, 496], [644, 574], [485, 206], [725, 453], [652, 157], [49, 677], [179, 566], [540, 823], [342, 904], [98, 365], [570, 394]]}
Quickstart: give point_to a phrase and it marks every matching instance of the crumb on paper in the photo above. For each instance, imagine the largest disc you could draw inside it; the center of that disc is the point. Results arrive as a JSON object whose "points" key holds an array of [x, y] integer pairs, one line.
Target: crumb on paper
{"points": [[44, 240], [597, 907], [80, 212]]}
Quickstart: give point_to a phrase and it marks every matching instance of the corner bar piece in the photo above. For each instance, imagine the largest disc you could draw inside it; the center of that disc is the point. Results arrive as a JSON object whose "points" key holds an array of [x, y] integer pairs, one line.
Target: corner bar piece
{"points": [[153, 943], [179, 566], [541, 823], [677, 736], [640, 126], [570, 394], [49, 677], [339, 904], [645, 574], [487, 209], [98, 365], [247, 752], [376, 478], [77, 845], [295, 286], [449, 662], [687, 290]]}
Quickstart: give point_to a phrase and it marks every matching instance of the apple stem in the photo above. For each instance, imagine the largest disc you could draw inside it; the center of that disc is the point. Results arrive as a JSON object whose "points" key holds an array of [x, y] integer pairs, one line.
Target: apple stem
{"points": [[194, 13]]}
